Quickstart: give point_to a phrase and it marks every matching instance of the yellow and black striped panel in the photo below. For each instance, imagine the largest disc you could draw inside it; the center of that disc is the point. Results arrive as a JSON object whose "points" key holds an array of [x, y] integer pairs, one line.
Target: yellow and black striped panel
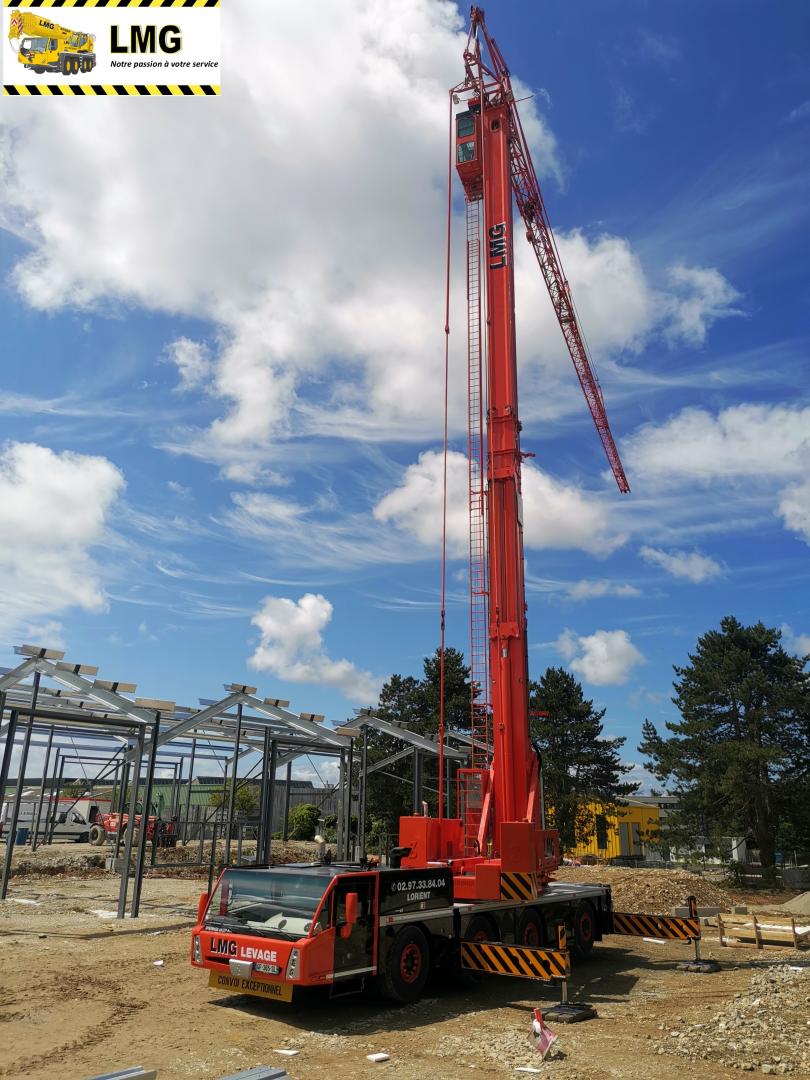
{"points": [[515, 960], [112, 90], [112, 3], [635, 924], [518, 886]]}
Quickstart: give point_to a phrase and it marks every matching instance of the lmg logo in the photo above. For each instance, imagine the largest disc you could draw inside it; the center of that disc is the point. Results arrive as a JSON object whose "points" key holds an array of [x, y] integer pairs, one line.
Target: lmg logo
{"points": [[497, 246], [147, 39]]}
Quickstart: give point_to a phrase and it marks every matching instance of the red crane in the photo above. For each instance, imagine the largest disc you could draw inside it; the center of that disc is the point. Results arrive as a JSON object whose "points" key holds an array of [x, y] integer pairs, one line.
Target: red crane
{"points": [[341, 924], [500, 829]]}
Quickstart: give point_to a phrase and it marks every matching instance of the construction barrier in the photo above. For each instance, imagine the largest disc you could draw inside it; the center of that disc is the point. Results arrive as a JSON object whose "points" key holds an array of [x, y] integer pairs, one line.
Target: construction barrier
{"points": [[668, 927], [517, 960]]}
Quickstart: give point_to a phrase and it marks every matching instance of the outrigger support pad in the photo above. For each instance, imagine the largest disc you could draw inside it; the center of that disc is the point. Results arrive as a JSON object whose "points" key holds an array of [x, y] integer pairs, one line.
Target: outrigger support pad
{"points": [[698, 965], [568, 1012]]}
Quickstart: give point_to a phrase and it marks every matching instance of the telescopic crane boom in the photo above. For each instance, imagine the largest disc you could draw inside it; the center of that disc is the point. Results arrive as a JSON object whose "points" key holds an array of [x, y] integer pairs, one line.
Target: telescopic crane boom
{"points": [[499, 842], [493, 79]]}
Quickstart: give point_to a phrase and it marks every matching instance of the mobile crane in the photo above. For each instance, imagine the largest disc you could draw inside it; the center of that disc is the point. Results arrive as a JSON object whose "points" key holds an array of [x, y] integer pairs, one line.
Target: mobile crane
{"points": [[485, 875], [44, 46]]}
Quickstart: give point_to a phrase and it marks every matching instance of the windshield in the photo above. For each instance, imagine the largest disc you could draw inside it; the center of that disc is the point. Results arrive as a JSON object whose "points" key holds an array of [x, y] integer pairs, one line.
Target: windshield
{"points": [[275, 903], [35, 44]]}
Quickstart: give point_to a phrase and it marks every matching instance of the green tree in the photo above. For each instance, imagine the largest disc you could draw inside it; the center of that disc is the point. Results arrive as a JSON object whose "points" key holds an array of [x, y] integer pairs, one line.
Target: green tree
{"points": [[246, 802], [304, 821], [580, 766], [738, 757]]}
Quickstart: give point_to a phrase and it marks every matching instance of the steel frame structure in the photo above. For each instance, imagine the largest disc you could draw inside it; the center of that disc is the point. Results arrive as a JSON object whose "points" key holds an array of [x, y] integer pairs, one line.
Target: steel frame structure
{"points": [[47, 702]]}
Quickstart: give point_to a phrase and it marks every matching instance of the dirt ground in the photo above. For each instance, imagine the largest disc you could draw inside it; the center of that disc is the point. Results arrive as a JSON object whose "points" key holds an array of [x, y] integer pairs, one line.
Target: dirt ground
{"points": [[81, 994]]}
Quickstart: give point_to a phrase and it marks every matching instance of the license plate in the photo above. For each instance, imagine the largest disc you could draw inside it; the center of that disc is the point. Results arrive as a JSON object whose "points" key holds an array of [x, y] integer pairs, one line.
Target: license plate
{"points": [[257, 987]]}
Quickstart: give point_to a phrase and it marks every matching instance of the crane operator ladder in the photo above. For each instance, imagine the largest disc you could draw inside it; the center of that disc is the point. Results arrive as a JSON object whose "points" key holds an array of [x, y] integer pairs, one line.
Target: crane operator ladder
{"points": [[479, 593]]}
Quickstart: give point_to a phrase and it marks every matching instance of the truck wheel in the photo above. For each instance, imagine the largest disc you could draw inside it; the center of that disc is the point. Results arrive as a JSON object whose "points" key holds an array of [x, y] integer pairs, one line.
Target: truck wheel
{"points": [[38, 69], [479, 928], [97, 836], [530, 929], [584, 928], [406, 966]]}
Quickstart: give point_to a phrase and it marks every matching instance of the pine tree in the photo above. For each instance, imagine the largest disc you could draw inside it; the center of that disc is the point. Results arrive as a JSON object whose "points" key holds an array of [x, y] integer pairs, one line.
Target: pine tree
{"points": [[580, 766], [738, 757]]}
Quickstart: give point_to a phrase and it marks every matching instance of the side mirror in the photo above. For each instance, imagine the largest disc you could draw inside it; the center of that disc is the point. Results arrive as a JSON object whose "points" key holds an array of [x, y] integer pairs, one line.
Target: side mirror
{"points": [[202, 904], [351, 915]]}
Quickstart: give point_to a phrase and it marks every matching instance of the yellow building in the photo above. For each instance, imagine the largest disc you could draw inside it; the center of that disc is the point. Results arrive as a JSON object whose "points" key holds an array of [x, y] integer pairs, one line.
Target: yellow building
{"points": [[625, 832]]}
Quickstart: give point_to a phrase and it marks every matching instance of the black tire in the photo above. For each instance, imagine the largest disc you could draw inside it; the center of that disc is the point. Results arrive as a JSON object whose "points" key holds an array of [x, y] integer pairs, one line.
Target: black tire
{"points": [[480, 928], [531, 930], [97, 835], [584, 928], [407, 966], [38, 69]]}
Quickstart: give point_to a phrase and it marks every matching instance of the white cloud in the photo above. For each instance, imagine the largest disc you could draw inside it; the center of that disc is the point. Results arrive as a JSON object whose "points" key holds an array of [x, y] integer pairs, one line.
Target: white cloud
{"points": [[794, 509], [603, 658], [555, 515], [55, 507], [801, 112], [683, 564], [193, 362], [760, 444], [742, 440], [312, 266], [795, 643], [699, 297], [589, 590], [292, 647]]}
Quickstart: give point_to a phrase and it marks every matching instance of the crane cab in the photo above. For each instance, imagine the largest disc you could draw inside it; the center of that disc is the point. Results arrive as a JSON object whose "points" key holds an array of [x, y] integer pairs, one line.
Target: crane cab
{"points": [[468, 151]]}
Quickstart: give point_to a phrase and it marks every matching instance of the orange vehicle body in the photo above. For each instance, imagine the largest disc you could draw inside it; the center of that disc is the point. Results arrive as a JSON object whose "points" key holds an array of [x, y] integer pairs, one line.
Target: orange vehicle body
{"points": [[272, 931], [336, 941], [111, 823]]}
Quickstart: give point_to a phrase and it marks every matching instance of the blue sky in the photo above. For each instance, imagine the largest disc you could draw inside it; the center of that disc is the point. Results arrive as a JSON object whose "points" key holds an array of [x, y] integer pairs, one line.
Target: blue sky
{"points": [[223, 334]]}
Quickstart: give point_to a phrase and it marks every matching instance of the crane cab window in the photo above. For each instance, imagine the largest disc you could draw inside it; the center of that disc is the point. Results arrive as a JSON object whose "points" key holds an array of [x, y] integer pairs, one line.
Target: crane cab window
{"points": [[465, 125], [37, 44], [465, 135]]}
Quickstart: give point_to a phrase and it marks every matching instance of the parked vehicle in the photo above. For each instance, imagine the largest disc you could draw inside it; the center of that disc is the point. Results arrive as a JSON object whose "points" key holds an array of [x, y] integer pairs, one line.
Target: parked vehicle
{"points": [[105, 827]]}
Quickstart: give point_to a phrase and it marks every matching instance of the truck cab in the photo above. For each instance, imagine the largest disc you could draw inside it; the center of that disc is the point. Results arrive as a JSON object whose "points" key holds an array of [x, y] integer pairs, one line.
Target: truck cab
{"points": [[267, 931]]}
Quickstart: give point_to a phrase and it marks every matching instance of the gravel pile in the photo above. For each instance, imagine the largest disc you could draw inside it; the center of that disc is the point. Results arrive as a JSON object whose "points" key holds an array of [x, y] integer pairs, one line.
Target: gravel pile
{"points": [[654, 892], [487, 1039], [764, 1030], [799, 905]]}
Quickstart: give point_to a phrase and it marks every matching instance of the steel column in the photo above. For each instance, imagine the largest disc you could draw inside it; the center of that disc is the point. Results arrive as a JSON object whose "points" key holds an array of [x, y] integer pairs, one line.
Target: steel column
{"points": [[42, 793], [15, 812], [232, 796], [145, 814], [134, 778], [286, 831]]}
